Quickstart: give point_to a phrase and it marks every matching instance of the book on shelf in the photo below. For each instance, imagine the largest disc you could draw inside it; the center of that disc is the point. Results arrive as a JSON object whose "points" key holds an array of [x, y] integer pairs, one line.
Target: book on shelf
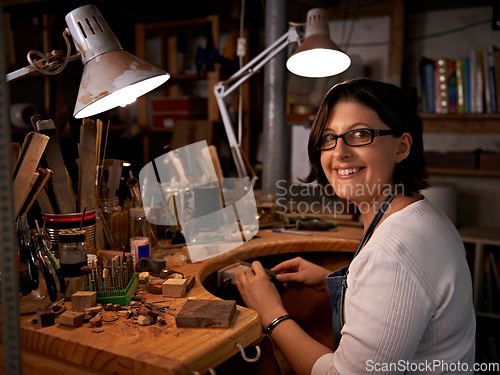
{"points": [[467, 84], [477, 70], [441, 86], [496, 64], [425, 84], [490, 73], [461, 85], [451, 82]]}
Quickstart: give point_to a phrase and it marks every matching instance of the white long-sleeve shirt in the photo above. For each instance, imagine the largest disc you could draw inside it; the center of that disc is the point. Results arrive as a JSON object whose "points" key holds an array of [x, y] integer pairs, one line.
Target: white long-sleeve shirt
{"points": [[408, 305]]}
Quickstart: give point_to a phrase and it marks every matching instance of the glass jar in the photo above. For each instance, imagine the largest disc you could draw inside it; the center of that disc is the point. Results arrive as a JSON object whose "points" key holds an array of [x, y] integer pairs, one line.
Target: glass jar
{"points": [[109, 213], [140, 234], [72, 257]]}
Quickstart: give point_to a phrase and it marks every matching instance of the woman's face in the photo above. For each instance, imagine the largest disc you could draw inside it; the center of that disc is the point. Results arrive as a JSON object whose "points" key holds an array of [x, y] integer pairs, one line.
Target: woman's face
{"points": [[361, 174]]}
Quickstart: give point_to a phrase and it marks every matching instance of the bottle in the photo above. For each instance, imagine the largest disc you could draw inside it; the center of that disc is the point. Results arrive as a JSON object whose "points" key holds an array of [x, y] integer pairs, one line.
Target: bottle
{"points": [[109, 214], [72, 256], [140, 232]]}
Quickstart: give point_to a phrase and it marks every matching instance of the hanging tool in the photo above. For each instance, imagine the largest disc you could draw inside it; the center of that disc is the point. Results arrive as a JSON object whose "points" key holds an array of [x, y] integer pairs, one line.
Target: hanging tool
{"points": [[46, 246], [50, 282], [35, 259], [28, 254]]}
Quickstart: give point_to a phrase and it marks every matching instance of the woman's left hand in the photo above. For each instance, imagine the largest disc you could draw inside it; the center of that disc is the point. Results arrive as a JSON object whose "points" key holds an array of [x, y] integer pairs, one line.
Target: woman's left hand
{"points": [[259, 293]]}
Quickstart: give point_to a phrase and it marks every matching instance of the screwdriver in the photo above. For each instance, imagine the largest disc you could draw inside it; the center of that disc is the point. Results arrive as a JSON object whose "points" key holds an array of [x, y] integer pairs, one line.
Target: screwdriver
{"points": [[315, 225]]}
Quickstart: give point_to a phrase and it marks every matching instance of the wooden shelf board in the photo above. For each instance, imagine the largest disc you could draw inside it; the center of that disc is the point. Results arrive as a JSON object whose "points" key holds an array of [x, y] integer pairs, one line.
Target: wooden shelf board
{"points": [[459, 172], [480, 234], [466, 123]]}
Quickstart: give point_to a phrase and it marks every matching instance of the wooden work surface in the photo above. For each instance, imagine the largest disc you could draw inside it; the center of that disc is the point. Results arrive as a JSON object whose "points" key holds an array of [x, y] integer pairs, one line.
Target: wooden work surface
{"points": [[124, 347]]}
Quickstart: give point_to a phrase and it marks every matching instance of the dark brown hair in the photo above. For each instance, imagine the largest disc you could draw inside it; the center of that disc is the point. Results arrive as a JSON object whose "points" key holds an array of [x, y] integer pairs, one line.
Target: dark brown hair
{"points": [[393, 108]]}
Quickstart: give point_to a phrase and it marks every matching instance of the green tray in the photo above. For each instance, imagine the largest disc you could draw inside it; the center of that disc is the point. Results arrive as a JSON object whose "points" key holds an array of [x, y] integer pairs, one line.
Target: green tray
{"points": [[119, 297]]}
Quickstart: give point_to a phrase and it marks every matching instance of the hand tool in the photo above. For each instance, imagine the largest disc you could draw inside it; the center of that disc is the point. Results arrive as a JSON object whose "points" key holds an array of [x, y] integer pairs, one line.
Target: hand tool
{"points": [[294, 219], [249, 265], [50, 282], [29, 256], [46, 246], [308, 222], [277, 230], [315, 225]]}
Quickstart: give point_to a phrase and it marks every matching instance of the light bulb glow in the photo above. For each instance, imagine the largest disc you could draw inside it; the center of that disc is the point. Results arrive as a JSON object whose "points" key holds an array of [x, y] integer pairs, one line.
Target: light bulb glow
{"points": [[122, 97], [318, 62]]}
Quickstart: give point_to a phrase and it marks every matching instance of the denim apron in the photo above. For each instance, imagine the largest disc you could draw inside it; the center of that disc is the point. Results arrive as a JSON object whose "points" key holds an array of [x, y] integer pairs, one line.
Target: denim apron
{"points": [[337, 281]]}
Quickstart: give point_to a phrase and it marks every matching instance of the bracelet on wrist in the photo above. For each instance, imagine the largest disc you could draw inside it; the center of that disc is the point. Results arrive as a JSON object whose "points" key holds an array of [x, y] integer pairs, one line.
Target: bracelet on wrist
{"points": [[275, 322]]}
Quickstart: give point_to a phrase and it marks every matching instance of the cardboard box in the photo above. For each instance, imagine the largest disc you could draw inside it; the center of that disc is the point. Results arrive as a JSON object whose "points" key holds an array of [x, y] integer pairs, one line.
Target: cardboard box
{"points": [[165, 111]]}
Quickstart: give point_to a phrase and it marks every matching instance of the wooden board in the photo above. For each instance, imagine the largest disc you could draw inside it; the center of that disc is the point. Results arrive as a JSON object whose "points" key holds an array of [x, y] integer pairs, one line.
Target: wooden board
{"points": [[43, 176], [87, 166], [206, 313], [60, 181], [24, 178]]}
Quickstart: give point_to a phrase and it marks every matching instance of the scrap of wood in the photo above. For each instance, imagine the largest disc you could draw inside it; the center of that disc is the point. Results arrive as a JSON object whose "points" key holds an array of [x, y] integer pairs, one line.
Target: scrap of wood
{"points": [[32, 150], [114, 168], [87, 165], [16, 151], [177, 287], [98, 142], [44, 202], [206, 313], [43, 176], [82, 300], [71, 318], [60, 183]]}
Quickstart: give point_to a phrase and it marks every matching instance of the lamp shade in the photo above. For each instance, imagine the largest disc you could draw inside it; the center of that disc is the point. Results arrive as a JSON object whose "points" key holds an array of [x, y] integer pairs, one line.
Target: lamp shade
{"points": [[111, 77], [317, 55]]}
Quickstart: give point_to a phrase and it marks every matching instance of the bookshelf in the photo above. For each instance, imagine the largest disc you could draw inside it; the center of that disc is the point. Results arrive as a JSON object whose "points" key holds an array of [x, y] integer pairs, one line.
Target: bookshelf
{"points": [[484, 241]]}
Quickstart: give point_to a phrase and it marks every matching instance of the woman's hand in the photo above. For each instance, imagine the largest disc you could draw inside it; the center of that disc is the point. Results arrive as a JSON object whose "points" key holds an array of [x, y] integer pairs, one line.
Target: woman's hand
{"points": [[303, 272], [259, 293]]}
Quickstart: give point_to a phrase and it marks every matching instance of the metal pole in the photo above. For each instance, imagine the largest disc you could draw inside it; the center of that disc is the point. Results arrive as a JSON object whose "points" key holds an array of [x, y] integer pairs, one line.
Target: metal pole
{"points": [[11, 332], [276, 144]]}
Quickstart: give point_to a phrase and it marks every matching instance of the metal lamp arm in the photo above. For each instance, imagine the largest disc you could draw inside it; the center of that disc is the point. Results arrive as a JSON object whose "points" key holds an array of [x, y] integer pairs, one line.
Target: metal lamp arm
{"points": [[224, 88], [50, 64]]}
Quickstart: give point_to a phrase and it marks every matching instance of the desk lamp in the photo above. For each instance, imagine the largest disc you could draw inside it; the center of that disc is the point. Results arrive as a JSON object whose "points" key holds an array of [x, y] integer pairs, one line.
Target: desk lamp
{"points": [[316, 56], [111, 77]]}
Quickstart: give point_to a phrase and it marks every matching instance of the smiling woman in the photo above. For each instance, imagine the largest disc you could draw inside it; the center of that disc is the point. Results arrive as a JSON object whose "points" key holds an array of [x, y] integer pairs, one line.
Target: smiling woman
{"points": [[407, 296]]}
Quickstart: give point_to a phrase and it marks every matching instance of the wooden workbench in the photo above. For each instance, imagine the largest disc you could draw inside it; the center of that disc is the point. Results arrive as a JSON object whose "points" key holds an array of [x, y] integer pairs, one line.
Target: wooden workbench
{"points": [[124, 347]]}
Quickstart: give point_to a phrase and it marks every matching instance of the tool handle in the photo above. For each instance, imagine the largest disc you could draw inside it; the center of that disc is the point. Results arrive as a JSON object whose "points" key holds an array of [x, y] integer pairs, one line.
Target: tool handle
{"points": [[316, 225], [57, 268], [49, 279], [32, 268]]}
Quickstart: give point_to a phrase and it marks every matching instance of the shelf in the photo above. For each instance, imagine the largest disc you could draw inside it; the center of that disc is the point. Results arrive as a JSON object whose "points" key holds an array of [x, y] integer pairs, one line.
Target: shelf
{"points": [[467, 123], [462, 172]]}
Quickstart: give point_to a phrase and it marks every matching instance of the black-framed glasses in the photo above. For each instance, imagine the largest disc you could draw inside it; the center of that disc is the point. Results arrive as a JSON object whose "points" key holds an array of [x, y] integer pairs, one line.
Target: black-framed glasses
{"points": [[353, 138]]}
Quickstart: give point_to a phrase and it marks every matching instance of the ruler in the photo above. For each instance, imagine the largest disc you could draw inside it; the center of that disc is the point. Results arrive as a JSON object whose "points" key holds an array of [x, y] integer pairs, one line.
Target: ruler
{"points": [[11, 337]]}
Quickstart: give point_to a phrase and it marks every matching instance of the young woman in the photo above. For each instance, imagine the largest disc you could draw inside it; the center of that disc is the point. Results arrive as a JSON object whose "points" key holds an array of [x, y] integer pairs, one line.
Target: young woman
{"points": [[405, 302]]}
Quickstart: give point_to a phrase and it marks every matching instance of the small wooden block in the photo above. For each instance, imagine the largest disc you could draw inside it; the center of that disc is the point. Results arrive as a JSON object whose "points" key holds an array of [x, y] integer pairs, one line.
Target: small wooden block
{"points": [[71, 318], [174, 287], [46, 317], [206, 313], [190, 282], [83, 300], [155, 286]]}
